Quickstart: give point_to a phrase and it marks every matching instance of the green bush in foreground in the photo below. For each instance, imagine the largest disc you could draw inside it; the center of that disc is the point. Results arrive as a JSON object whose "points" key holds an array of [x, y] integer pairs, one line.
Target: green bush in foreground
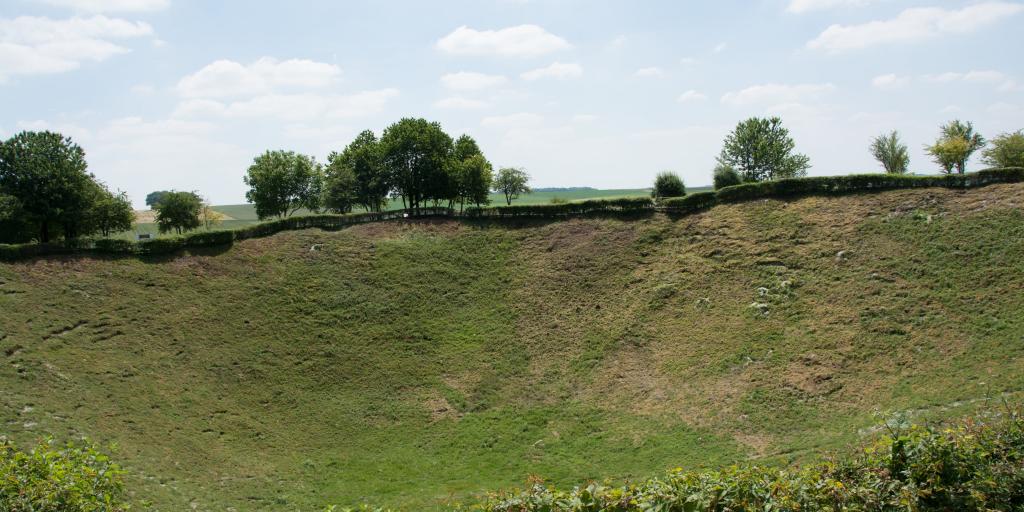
{"points": [[977, 465], [69, 478]]}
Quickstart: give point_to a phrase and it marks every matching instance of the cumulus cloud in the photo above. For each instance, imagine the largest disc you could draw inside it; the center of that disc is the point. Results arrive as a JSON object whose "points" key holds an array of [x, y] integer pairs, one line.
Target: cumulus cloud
{"points": [[890, 81], [518, 41], [227, 78], [556, 70], [290, 107], [460, 103], [691, 96], [97, 6], [913, 25], [471, 81], [38, 45], [776, 94], [802, 6], [649, 72]]}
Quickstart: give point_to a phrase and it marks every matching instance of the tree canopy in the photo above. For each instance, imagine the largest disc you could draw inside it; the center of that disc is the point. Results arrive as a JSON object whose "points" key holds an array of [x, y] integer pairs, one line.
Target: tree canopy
{"points": [[1007, 150], [179, 212], [282, 182], [891, 153], [668, 184], [761, 149], [512, 181], [359, 166], [417, 155], [956, 143]]}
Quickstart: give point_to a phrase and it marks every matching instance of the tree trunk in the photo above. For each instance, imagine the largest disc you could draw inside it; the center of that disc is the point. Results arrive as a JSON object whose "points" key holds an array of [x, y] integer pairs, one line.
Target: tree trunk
{"points": [[44, 232]]}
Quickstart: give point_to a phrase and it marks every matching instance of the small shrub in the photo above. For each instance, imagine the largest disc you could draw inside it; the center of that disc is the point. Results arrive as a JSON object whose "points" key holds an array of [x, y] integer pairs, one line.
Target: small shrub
{"points": [[725, 175], [68, 478], [668, 184], [691, 203], [114, 246]]}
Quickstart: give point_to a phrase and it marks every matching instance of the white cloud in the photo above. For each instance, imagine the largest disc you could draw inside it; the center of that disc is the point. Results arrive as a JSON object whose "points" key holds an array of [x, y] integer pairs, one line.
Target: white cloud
{"points": [[691, 96], [96, 6], [584, 118], [227, 78], [35, 45], [555, 70], [1005, 83], [460, 103], [890, 81], [618, 43], [776, 94], [802, 6], [513, 120], [649, 72], [913, 25], [688, 61], [518, 41], [720, 47], [471, 81], [289, 107]]}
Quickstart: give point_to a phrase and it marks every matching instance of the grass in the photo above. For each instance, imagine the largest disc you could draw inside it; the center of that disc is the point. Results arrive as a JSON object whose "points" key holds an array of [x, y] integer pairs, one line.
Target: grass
{"points": [[412, 364]]}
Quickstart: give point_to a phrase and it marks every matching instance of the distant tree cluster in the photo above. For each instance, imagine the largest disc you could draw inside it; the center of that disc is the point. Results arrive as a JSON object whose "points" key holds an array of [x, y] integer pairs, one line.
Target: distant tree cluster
{"points": [[414, 160], [47, 193]]}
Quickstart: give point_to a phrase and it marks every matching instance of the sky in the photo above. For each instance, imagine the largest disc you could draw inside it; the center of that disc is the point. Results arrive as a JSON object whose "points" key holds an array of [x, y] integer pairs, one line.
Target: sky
{"points": [[182, 94]]}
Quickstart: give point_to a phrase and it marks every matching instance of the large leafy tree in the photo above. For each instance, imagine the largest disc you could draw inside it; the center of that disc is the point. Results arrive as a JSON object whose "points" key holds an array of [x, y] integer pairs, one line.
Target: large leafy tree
{"points": [[956, 143], [282, 182], [1007, 150], [363, 161], [111, 212], [891, 152], [47, 173], [341, 190], [154, 197], [512, 182], [475, 177], [417, 155], [179, 211], [761, 149]]}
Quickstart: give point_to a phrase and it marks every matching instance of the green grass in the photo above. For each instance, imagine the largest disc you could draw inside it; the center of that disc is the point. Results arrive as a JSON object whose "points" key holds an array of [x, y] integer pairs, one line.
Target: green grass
{"points": [[415, 363]]}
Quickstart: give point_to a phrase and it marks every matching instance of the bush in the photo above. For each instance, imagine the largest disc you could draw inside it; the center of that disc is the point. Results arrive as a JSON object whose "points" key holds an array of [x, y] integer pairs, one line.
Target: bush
{"points": [[114, 246], [974, 465], [65, 479], [208, 238], [668, 184], [691, 203], [618, 205], [725, 175], [164, 245]]}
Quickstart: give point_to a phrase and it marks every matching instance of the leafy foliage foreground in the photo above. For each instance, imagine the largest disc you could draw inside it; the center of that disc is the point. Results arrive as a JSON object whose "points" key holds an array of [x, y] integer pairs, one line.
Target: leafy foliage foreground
{"points": [[976, 465], [69, 478]]}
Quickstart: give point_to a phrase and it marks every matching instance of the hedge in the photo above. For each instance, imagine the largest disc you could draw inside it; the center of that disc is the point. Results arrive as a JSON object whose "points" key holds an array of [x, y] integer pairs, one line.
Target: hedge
{"points": [[690, 203], [824, 185], [591, 206]]}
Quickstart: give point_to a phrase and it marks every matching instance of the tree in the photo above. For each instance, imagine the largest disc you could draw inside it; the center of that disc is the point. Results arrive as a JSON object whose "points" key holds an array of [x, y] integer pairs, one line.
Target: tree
{"points": [[364, 161], [958, 142], [209, 217], [891, 153], [111, 212], [417, 155], [512, 182], [725, 175], [179, 211], [1007, 150], [281, 182], [46, 173], [668, 184], [761, 149], [153, 198], [341, 189], [466, 148], [474, 178]]}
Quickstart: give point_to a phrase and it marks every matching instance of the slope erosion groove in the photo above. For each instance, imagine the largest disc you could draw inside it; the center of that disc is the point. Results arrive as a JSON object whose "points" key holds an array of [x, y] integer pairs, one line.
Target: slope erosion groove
{"points": [[414, 363]]}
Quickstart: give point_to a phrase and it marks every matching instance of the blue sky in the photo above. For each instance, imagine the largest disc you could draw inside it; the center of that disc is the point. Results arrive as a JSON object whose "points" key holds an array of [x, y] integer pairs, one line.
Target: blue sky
{"points": [[183, 93]]}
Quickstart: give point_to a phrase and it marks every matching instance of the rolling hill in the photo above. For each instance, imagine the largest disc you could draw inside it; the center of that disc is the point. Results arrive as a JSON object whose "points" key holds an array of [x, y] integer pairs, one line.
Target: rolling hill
{"points": [[419, 363]]}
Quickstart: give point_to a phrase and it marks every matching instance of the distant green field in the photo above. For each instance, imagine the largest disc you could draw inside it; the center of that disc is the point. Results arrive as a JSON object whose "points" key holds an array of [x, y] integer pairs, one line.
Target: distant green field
{"points": [[245, 214]]}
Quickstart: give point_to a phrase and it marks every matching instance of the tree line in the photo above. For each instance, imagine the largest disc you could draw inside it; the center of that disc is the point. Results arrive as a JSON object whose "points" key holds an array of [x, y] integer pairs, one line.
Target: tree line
{"points": [[761, 149], [47, 192], [414, 161]]}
